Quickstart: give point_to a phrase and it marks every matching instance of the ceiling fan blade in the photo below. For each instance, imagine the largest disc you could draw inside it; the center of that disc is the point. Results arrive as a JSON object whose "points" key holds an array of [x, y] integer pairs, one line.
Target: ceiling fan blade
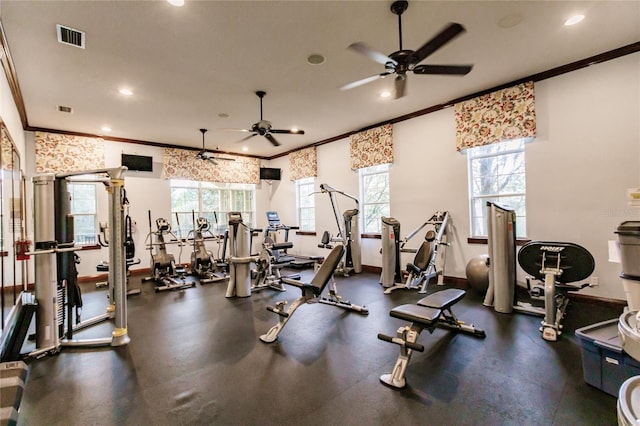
{"points": [[288, 132], [362, 81], [271, 139], [445, 36], [236, 130], [401, 86], [223, 159], [374, 55], [247, 137], [443, 69]]}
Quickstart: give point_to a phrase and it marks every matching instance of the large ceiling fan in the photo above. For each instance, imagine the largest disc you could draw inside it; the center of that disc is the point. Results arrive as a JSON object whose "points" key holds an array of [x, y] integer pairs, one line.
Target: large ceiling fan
{"points": [[403, 60], [263, 127], [203, 154]]}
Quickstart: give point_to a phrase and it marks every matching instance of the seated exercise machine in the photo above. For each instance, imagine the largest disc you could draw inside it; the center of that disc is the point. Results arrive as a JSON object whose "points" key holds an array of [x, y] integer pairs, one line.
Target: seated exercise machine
{"points": [[430, 312], [164, 271], [311, 293], [348, 234], [273, 257], [280, 249], [556, 263], [129, 250], [428, 262], [204, 265]]}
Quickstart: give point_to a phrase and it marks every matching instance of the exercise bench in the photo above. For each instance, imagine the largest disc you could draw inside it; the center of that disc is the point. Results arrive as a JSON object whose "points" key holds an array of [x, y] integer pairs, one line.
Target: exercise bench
{"points": [[311, 293], [430, 312]]}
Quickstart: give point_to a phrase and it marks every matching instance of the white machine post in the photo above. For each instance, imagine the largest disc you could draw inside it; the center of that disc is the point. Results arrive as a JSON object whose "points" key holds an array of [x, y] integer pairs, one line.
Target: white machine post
{"points": [[240, 260], [46, 279], [502, 258]]}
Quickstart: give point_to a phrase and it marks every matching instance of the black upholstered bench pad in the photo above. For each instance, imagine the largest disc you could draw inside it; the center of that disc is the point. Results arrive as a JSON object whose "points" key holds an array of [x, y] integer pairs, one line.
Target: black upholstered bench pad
{"points": [[442, 299], [415, 313]]}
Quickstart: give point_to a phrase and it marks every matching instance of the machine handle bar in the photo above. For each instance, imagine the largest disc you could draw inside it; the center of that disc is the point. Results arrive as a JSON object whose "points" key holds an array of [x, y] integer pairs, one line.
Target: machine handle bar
{"points": [[415, 346]]}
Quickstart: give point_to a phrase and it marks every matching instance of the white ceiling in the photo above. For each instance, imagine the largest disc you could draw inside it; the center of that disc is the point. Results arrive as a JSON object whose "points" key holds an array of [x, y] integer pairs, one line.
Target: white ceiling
{"points": [[188, 64]]}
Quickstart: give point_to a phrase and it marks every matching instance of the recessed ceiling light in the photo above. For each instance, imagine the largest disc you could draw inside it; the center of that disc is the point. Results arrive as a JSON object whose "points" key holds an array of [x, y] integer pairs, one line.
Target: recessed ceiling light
{"points": [[106, 129], [223, 115], [245, 149], [510, 21], [385, 94], [574, 20], [126, 92], [176, 2], [315, 59]]}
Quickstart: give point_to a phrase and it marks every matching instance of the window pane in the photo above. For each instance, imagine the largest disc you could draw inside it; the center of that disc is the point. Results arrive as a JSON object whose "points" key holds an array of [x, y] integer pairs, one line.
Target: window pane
{"points": [[84, 229], [372, 215], [184, 199]]}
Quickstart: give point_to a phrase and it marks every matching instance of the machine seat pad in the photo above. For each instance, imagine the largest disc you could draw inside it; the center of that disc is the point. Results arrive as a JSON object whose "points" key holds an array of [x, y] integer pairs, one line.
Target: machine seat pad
{"points": [[415, 313], [413, 268], [442, 299], [281, 246]]}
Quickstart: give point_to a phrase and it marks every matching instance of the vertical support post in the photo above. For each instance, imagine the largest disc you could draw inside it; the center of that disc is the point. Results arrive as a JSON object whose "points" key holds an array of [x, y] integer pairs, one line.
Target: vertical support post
{"points": [[46, 278], [117, 268]]}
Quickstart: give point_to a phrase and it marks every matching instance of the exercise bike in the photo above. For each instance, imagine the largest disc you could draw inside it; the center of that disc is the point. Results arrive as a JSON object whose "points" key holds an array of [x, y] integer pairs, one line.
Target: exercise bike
{"points": [[203, 264], [164, 272], [428, 262]]}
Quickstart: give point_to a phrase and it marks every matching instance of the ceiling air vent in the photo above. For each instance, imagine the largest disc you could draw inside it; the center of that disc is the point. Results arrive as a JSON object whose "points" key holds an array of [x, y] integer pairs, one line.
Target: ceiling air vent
{"points": [[70, 36], [66, 109]]}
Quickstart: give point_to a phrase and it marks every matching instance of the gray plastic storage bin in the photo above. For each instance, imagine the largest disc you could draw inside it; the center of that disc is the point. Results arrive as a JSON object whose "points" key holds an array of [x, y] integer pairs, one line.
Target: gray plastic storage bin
{"points": [[604, 364], [629, 239]]}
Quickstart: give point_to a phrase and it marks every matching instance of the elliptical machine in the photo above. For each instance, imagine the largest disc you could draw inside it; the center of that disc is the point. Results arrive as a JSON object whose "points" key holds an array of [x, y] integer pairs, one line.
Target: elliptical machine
{"points": [[203, 263], [164, 272], [429, 260], [348, 234]]}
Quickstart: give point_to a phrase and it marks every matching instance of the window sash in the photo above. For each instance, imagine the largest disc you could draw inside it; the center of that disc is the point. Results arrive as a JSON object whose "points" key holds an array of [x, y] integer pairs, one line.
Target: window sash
{"points": [[477, 199], [306, 204], [83, 208], [374, 209]]}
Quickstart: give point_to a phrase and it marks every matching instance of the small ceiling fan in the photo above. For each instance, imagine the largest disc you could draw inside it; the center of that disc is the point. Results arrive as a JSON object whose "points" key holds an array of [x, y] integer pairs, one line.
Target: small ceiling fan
{"points": [[203, 154], [263, 127], [403, 60]]}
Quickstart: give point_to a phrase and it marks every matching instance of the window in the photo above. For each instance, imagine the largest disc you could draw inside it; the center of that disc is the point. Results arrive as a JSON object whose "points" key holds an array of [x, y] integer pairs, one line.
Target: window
{"points": [[210, 200], [83, 210], [374, 200], [306, 204], [497, 173]]}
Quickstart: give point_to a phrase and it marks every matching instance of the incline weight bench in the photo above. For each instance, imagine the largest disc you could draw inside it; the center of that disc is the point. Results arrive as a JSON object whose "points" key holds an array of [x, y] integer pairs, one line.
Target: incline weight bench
{"points": [[311, 294], [430, 312]]}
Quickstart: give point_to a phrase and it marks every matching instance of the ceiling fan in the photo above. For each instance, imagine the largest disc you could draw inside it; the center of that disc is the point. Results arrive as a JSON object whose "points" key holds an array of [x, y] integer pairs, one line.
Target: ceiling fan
{"points": [[203, 154], [263, 127], [403, 60]]}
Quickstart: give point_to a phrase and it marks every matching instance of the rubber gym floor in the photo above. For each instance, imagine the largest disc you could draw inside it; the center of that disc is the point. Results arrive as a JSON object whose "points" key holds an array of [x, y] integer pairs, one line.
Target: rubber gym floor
{"points": [[195, 359]]}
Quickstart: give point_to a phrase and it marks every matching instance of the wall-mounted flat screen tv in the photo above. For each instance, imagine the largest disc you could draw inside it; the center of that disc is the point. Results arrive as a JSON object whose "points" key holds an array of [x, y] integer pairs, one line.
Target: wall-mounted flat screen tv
{"points": [[140, 163], [267, 173]]}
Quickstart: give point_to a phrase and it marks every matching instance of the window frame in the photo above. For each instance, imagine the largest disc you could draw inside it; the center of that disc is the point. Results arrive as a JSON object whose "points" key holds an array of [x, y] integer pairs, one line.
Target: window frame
{"points": [[227, 201], [521, 228], [87, 240], [300, 183], [363, 173]]}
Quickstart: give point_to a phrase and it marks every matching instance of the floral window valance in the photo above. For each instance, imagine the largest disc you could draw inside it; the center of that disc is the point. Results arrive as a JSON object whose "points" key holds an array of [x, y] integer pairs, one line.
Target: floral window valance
{"points": [[59, 153], [372, 147], [498, 116], [183, 164], [303, 163]]}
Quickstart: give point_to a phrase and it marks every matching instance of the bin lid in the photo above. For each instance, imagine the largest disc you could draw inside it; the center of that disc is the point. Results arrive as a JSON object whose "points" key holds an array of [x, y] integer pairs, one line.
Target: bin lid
{"points": [[629, 227], [629, 400], [605, 333]]}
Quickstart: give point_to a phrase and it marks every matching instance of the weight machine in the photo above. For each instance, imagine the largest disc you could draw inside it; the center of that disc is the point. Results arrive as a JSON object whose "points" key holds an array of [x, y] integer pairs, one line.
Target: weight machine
{"points": [[203, 264], [164, 271], [129, 248], [240, 260], [430, 257], [55, 272], [347, 235]]}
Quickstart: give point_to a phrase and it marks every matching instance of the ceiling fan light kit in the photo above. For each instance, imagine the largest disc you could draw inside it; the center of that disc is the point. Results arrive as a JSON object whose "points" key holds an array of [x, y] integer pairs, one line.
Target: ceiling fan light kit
{"points": [[404, 60]]}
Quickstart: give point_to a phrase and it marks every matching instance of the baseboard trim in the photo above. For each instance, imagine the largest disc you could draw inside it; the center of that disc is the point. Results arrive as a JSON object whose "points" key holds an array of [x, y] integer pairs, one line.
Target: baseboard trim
{"points": [[598, 300]]}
